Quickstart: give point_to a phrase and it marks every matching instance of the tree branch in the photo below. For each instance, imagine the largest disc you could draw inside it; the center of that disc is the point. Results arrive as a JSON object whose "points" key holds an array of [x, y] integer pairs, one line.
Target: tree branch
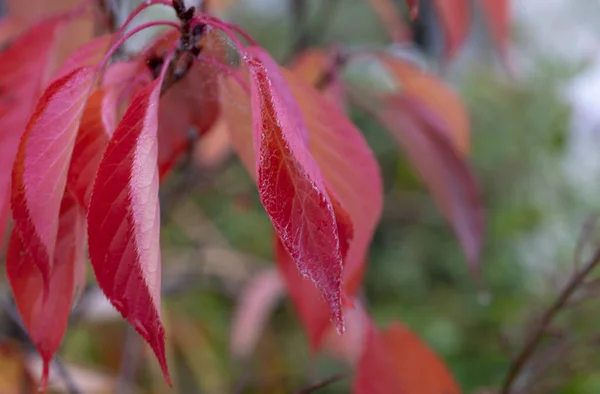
{"points": [[536, 336]]}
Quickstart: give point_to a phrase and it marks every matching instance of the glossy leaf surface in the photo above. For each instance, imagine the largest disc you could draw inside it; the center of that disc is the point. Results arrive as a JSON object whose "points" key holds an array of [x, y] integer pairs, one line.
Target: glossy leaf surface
{"points": [[124, 220]]}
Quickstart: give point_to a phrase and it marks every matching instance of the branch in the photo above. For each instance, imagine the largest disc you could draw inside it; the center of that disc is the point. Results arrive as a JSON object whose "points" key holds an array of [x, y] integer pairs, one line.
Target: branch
{"points": [[538, 333], [322, 384], [58, 363]]}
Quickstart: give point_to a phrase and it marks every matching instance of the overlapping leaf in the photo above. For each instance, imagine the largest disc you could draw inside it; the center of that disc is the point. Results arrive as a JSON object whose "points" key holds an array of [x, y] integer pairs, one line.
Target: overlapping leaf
{"points": [[455, 18], [24, 68], [45, 313], [390, 16], [497, 16], [291, 186], [447, 175], [396, 361], [124, 220], [332, 138]]}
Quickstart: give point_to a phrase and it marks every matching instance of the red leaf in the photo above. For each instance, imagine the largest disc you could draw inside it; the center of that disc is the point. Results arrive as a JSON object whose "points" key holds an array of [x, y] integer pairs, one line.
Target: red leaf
{"points": [[124, 220], [24, 68], [97, 124], [497, 14], [45, 315], [291, 186], [396, 361], [332, 139], [455, 18], [436, 95], [423, 135], [42, 163]]}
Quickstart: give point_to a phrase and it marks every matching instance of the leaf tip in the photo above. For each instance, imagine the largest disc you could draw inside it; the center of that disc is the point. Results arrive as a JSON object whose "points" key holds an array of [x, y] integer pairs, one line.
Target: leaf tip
{"points": [[45, 372]]}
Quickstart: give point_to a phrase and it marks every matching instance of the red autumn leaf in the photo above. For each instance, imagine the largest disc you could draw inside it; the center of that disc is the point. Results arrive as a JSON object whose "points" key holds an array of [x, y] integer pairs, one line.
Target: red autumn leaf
{"points": [[455, 18], [24, 68], [497, 15], [40, 169], [437, 96], [291, 186], [45, 315], [423, 135], [332, 138], [97, 124], [413, 8], [124, 220], [396, 361]]}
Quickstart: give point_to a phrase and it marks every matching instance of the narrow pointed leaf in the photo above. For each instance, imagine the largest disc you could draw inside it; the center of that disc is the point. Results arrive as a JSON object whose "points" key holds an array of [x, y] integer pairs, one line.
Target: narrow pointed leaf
{"points": [[357, 199], [446, 174], [24, 68], [45, 315], [389, 14], [291, 186], [42, 163], [124, 220]]}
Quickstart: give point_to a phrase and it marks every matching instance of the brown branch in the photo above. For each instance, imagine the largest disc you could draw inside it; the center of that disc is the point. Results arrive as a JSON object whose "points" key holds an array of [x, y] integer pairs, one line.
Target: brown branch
{"points": [[323, 383], [536, 336]]}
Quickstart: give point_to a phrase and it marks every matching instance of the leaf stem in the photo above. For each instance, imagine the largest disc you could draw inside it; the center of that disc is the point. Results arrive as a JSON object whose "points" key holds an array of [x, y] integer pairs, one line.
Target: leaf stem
{"points": [[536, 336]]}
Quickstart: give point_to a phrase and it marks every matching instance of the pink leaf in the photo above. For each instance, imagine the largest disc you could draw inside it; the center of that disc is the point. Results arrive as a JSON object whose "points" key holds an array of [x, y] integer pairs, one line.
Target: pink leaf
{"points": [[45, 315], [124, 220], [42, 163], [24, 68], [255, 305]]}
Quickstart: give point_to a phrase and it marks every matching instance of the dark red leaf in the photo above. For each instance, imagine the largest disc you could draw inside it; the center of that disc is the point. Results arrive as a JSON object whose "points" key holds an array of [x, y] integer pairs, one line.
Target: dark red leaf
{"points": [[424, 137], [291, 186], [124, 220], [24, 68], [45, 315], [397, 362]]}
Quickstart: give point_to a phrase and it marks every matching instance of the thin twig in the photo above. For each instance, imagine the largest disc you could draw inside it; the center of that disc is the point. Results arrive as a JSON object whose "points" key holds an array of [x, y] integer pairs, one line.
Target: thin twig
{"points": [[58, 363], [584, 237], [538, 333], [322, 384]]}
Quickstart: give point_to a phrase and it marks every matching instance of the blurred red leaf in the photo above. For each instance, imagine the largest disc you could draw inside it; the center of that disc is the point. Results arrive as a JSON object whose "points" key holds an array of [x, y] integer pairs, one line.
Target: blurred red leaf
{"points": [[97, 124], [455, 18], [45, 314], [256, 302], [423, 136], [24, 68], [124, 220], [436, 95], [387, 11], [396, 361], [497, 15], [291, 186], [413, 8]]}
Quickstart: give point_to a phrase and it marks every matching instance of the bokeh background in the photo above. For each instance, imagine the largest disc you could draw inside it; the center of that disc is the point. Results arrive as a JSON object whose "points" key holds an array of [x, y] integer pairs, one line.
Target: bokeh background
{"points": [[535, 149]]}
